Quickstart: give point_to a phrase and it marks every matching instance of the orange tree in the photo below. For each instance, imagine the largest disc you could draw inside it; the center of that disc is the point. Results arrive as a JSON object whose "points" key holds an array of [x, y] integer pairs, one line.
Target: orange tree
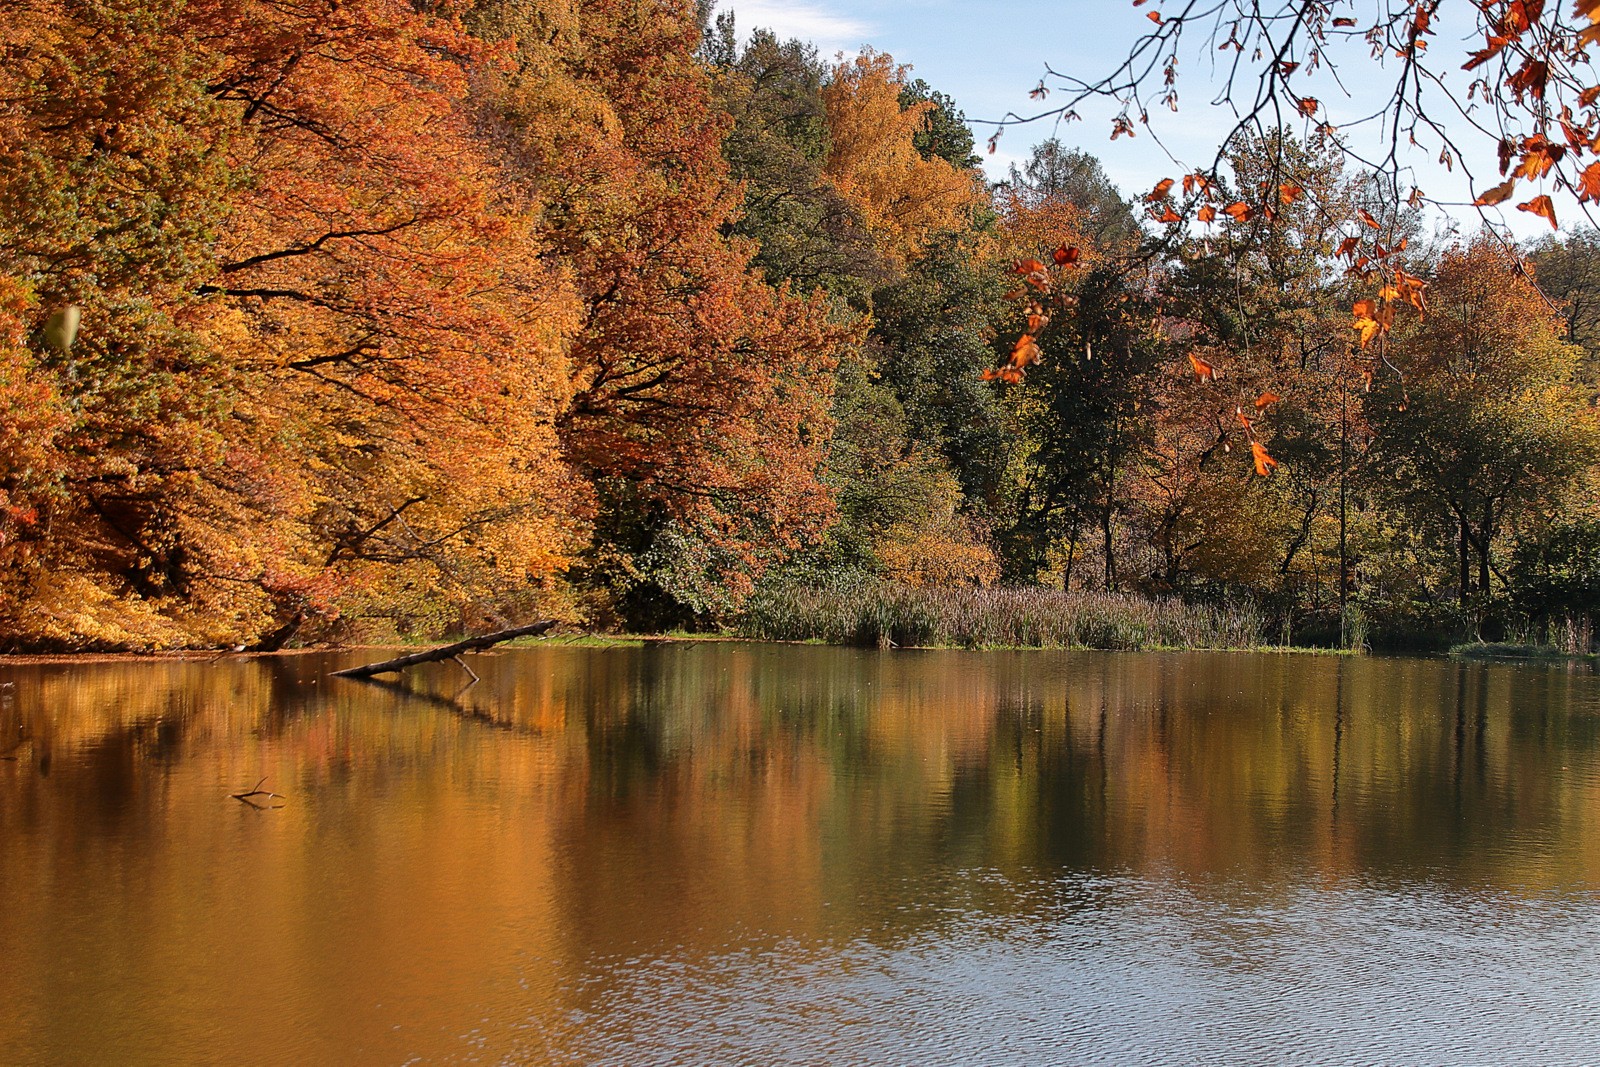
{"points": [[699, 393], [1494, 430]]}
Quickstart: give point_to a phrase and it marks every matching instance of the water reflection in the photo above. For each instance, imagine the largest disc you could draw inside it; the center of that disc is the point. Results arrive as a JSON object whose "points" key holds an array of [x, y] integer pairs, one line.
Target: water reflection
{"points": [[712, 851]]}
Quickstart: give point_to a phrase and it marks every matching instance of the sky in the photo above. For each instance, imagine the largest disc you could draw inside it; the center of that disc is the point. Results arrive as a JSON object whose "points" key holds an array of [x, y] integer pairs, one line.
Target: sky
{"points": [[988, 55]]}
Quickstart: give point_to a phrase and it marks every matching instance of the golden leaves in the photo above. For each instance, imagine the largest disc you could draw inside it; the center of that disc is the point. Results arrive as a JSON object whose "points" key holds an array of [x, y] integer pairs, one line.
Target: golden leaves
{"points": [[1372, 319], [1368, 322], [1538, 156], [1026, 351]]}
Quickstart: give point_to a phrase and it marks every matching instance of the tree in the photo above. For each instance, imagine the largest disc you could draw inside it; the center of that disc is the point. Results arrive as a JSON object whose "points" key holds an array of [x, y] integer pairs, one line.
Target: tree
{"points": [[945, 134], [700, 392], [804, 231], [1568, 271], [1554, 577], [1057, 174], [874, 162], [1098, 345], [1490, 425]]}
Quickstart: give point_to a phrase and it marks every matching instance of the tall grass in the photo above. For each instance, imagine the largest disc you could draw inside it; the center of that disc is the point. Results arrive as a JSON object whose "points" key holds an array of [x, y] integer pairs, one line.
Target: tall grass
{"points": [[884, 614]]}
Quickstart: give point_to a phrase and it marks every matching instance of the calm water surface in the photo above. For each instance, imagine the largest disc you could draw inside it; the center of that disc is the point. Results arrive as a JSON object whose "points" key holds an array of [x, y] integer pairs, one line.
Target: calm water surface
{"points": [[716, 853]]}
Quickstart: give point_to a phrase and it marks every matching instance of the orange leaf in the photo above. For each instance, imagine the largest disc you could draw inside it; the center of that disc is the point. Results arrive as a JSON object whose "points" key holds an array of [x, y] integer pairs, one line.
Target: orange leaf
{"points": [[1494, 45], [1348, 246], [1203, 370], [1266, 398], [1499, 193], [1308, 106], [1264, 462], [1066, 257], [1155, 17], [1206, 213], [1541, 206], [1530, 78], [1163, 187], [1239, 210], [1025, 351], [1366, 217], [1289, 192], [1538, 157], [1411, 289], [1521, 15], [1168, 215], [1244, 420], [1589, 183], [1028, 266]]}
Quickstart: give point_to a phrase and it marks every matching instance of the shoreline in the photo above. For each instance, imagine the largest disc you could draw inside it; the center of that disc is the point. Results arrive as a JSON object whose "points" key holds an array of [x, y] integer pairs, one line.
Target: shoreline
{"points": [[205, 655]]}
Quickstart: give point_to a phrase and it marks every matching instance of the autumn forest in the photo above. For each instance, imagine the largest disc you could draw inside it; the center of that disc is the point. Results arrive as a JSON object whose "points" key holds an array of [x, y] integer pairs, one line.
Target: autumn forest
{"points": [[400, 319]]}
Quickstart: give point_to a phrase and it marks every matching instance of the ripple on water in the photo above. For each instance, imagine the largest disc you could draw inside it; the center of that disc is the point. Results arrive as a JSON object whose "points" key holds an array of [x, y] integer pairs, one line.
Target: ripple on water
{"points": [[1160, 972]]}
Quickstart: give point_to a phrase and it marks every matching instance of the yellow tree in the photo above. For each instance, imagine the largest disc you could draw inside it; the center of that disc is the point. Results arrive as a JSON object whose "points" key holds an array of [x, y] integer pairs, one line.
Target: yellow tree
{"points": [[873, 160]]}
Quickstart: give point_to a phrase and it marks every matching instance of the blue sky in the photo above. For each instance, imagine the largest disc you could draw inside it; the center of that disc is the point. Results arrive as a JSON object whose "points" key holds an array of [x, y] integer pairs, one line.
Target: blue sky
{"points": [[989, 54]]}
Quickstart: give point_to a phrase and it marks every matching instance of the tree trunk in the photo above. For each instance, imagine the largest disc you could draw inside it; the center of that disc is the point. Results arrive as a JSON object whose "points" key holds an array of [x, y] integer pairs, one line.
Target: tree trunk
{"points": [[1105, 518], [1072, 551], [1485, 540], [274, 641], [444, 652]]}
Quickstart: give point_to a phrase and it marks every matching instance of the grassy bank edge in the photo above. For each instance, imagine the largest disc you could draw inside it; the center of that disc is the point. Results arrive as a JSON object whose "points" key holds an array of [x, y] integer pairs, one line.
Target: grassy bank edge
{"points": [[1506, 650]]}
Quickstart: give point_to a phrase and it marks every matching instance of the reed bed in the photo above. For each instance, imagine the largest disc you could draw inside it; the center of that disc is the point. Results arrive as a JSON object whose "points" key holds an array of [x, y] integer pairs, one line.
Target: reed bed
{"points": [[885, 614]]}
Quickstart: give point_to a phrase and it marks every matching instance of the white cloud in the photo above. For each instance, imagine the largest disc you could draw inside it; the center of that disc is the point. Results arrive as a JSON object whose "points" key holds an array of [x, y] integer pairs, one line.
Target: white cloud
{"points": [[830, 32]]}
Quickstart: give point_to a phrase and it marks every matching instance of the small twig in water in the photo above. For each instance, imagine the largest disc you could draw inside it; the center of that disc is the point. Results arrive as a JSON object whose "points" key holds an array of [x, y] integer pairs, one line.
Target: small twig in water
{"points": [[470, 672], [245, 798]]}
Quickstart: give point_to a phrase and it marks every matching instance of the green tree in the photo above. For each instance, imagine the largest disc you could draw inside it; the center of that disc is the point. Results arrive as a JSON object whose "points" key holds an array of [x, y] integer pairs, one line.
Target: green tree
{"points": [[1057, 174]]}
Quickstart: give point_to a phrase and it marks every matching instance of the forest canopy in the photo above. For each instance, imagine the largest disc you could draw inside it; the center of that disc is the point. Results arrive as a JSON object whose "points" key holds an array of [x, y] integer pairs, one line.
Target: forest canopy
{"points": [[367, 318]]}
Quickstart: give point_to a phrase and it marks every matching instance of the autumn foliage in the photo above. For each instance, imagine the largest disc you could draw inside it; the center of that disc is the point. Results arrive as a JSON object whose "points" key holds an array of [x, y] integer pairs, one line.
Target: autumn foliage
{"points": [[369, 318], [351, 345]]}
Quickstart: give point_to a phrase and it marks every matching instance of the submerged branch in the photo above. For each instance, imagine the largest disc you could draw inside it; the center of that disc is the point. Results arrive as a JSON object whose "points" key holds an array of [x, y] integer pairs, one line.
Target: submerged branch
{"points": [[450, 651]]}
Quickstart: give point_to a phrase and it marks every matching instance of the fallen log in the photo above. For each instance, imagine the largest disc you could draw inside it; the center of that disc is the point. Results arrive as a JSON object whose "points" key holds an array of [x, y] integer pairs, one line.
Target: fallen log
{"points": [[444, 652]]}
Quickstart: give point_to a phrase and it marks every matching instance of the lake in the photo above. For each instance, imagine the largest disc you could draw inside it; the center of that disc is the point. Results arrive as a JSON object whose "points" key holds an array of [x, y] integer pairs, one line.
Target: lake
{"points": [[719, 853]]}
